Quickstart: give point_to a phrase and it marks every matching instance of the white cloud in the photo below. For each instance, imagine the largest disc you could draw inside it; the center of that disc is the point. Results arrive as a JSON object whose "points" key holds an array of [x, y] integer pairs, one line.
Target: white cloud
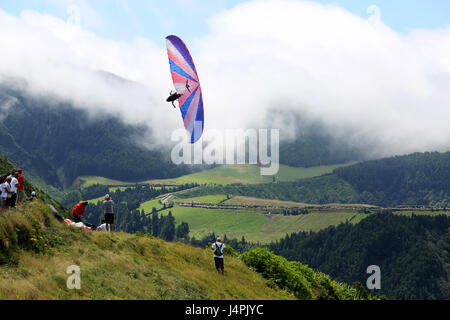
{"points": [[322, 60], [61, 59], [390, 89]]}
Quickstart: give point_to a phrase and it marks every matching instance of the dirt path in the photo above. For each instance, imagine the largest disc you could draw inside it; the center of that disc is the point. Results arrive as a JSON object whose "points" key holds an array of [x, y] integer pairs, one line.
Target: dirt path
{"points": [[164, 200], [267, 225]]}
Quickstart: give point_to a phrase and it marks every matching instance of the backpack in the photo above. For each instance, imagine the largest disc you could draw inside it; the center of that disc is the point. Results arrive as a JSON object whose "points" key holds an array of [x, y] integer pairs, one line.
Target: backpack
{"points": [[218, 250]]}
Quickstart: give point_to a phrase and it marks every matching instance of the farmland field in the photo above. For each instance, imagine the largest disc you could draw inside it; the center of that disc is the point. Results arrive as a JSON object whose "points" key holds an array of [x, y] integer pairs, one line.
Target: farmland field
{"points": [[250, 201], [315, 221], [226, 174], [147, 206], [253, 224], [260, 202], [233, 223], [213, 199]]}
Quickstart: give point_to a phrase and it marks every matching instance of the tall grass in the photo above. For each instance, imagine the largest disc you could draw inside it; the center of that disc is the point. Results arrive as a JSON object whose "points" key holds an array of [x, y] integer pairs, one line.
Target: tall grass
{"points": [[113, 265]]}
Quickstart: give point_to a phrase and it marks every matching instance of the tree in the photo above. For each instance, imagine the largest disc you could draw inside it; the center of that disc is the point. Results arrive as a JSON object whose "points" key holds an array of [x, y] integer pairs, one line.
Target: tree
{"points": [[168, 227], [155, 223], [182, 230]]}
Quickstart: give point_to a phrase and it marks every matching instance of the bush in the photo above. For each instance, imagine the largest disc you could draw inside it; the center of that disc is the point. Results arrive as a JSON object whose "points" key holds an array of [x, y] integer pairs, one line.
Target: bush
{"points": [[302, 281], [229, 251], [280, 271], [28, 229]]}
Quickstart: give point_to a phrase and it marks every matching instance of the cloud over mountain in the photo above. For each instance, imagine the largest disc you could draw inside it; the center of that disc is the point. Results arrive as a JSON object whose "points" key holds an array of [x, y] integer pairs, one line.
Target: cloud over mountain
{"points": [[368, 83]]}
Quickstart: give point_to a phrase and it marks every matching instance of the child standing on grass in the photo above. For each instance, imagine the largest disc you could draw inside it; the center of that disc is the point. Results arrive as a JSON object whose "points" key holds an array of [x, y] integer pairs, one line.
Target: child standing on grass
{"points": [[218, 248]]}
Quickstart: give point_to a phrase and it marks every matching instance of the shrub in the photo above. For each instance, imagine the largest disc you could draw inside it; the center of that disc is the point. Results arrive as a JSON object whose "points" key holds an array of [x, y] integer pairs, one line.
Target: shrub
{"points": [[25, 229], [280, 271], [229, 251]]}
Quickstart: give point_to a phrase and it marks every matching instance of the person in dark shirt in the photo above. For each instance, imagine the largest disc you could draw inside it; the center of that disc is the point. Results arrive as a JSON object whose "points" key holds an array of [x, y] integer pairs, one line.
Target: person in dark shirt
{"points": [[108, 210]]}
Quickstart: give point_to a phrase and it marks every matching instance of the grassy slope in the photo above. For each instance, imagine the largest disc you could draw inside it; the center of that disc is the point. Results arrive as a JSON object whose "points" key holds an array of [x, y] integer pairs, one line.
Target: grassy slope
{"points": [[39, 249], [148, 206], [252, 201], [114, 266], [255, 225], [233, 223], [211, 199], [227, 174], [6, 166], [315, 221]]}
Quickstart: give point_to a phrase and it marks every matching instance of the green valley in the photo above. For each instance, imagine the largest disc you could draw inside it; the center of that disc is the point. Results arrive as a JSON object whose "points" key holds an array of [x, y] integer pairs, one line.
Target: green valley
{"points": [[223, 175], [256, 212], [118, 265]]}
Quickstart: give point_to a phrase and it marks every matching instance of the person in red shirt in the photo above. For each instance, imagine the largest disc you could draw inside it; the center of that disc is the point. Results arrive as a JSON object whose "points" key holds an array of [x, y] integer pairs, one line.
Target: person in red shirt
{"points": [[78, 211], [20, 187]]}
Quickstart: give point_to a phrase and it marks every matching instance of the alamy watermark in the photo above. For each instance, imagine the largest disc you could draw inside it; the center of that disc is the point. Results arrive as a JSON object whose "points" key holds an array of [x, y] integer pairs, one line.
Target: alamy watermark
{"points": [[374, 281], [74, 17], [234, 146], [74, 280], [374, 13]]}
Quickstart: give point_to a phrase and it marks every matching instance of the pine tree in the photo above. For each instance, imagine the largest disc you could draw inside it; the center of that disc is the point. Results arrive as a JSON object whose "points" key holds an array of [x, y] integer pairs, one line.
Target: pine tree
{"points": [[155, 223], [168, 227]]}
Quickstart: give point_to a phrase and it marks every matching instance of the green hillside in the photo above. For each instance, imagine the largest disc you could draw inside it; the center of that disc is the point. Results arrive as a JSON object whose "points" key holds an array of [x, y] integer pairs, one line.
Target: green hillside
{"points": [[224, 175], [411, 251], [330, 199], [415, 179], [57, 142], [36, 250], [6, 166], [256, 225]]}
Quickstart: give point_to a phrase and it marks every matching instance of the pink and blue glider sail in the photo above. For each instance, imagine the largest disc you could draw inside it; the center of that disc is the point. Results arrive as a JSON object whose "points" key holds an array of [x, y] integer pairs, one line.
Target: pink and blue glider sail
{"points": [[187, 86]]}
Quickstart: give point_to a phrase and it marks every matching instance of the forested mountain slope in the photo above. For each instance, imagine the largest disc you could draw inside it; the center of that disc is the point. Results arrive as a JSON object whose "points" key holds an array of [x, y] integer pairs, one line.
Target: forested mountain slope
{"points": [[415, 179], [412, 253], [52, 139]]}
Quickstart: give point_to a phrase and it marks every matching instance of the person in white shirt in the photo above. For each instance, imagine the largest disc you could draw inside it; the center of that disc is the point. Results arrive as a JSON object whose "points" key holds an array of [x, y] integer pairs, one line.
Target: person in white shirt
{"points": [[4, 195], [7, 194], [14, 184], [102, 227], [218, 248]]}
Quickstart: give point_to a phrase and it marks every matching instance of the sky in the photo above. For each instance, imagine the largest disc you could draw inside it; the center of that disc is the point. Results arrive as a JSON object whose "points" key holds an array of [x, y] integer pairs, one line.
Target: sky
{"points": [[123, 20], [376, 73]]}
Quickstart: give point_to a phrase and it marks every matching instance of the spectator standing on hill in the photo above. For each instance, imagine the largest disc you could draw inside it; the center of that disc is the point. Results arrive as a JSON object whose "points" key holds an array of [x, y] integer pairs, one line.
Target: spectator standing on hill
{"points": [[8, 192], [218, 248], [4, 194], [108, 210], [14, 184], [78, 211], [20, 187]]}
